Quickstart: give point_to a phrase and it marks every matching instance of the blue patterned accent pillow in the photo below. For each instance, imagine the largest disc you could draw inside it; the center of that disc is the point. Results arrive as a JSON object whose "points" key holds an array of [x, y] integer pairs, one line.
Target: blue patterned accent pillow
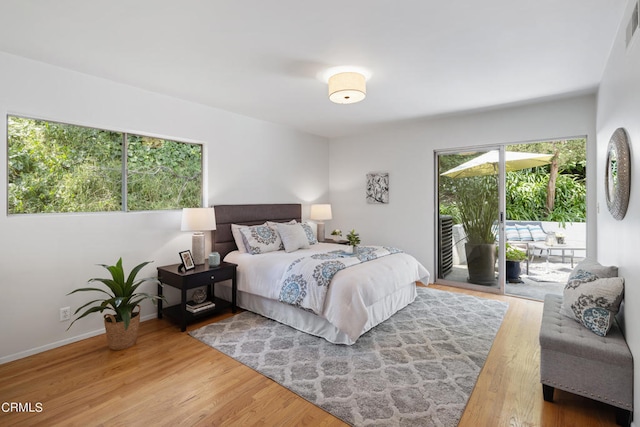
{"points": [[597, 320], [237, 237], [594, 303], [596, 268], [587, 270], [580, 276], [260, 239], [309, 232]]}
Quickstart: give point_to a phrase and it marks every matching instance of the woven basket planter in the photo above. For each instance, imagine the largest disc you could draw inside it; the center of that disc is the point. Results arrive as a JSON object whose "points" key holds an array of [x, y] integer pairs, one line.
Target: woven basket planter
{"points": [[117, 337]]}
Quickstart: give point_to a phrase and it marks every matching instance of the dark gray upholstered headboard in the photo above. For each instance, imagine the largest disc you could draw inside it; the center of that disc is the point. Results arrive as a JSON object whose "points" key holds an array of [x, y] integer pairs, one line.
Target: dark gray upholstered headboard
{"points": [[226, 215]]}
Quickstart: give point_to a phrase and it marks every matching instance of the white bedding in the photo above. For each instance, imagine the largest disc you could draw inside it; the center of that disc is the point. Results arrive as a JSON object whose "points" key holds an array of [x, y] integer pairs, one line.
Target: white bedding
{"points": [[358, 298]]}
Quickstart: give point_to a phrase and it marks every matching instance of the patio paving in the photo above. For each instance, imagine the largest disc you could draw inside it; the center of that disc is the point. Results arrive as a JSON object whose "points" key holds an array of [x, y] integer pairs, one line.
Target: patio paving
{"points": [[535, 285]]}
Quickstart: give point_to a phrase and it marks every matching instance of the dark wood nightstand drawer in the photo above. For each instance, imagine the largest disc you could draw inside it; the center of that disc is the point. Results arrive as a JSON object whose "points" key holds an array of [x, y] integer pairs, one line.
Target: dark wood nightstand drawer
{"points": [[222, 274]]}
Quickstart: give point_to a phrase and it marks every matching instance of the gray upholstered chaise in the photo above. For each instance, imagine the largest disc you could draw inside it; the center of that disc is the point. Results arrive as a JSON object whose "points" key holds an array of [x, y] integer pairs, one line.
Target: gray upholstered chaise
{"points": [[576, 360]]}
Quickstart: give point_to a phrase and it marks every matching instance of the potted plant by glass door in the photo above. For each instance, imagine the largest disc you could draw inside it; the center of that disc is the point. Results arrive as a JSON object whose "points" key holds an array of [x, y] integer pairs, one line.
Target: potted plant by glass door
{"points": [[477, 201], [514, 256]]}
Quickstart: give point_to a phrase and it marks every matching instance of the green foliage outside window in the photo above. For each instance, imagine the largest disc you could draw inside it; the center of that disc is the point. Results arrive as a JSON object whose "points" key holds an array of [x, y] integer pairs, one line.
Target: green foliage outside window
{"points": [[526, 190], [56, 167], [163, 174]]}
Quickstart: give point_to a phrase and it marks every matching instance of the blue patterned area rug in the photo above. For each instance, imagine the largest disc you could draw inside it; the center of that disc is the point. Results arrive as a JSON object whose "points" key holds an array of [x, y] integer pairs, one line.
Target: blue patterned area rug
{"points": [[417, 368]]}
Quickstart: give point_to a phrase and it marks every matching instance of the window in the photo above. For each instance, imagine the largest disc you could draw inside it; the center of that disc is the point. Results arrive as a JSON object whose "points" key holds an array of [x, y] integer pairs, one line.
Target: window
{"points": [[57, 167]]}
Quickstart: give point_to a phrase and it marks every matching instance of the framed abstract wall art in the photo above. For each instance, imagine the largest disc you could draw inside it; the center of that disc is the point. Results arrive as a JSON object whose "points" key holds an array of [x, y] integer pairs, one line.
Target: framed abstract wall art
{"points": [[378, 187]]}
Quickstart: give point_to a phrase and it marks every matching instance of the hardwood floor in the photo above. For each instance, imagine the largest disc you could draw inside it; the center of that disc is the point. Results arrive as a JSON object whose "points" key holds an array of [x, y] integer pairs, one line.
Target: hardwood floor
{"points": [[169, 378]]}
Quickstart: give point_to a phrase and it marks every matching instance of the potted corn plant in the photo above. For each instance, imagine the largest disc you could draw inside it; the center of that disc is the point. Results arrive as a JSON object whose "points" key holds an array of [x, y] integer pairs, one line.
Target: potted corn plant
{"points": [[478, 207], [122, 299]]}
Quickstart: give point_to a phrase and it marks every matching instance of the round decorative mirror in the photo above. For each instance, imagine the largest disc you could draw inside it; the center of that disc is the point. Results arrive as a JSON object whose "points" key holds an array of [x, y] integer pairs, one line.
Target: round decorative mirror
{"points": [[617, 175]]}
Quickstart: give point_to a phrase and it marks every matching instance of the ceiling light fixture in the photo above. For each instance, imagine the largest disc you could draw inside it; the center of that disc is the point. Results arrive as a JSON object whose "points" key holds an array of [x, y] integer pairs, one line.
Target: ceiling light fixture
{"points": [[347, 87]]}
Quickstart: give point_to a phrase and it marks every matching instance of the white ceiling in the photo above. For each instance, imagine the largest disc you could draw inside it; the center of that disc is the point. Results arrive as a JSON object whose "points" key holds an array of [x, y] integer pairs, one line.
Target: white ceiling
{"points": [[265, 59]]}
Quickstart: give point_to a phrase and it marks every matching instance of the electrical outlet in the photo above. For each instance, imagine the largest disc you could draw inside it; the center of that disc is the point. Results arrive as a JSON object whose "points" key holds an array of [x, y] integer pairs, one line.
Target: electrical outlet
{"points": [[65, 314]]}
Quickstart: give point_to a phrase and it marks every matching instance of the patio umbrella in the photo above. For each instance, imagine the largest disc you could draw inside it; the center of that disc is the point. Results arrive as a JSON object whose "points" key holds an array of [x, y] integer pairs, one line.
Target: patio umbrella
{"points": [[487, 163]]}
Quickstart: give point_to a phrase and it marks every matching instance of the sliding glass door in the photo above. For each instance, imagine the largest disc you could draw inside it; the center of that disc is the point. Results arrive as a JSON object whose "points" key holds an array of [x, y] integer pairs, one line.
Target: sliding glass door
{"points": [[532, 196], [469, 189]]}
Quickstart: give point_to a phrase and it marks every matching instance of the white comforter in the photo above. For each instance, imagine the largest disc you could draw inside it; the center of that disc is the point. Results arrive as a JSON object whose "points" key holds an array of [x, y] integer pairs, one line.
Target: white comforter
{"points": [[351, 291]]}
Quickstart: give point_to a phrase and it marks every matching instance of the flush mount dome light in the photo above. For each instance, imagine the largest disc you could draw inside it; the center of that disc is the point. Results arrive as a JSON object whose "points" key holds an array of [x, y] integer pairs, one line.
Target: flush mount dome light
{"points": [[347, 87]]}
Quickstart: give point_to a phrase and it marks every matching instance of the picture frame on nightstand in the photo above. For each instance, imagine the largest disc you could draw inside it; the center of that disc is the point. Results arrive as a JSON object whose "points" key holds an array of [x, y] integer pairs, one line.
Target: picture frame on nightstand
{"points": [[187, 260]]}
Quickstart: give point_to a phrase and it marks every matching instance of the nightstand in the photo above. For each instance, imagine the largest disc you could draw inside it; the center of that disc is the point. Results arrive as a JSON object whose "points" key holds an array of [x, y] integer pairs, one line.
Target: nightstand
{"points": [[201, 276]]}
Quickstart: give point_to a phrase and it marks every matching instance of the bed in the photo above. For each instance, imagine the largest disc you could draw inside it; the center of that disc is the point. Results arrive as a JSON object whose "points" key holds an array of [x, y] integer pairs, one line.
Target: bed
{"points": [[358, 298]]}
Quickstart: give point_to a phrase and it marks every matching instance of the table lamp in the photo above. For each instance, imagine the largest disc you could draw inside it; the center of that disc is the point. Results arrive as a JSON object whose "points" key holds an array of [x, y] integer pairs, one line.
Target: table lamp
{"points": [[198, 220], [320, 213]]}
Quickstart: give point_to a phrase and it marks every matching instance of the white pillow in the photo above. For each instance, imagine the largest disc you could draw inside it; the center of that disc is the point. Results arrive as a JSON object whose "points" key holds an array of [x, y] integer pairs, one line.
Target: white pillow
{"points": [[260, 239], [237, 237], [273, 223], [293, 237]]}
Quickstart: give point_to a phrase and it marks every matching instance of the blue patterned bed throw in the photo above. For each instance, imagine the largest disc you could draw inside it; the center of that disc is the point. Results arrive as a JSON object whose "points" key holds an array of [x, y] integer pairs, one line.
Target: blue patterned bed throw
{"points": [[305, 282]]}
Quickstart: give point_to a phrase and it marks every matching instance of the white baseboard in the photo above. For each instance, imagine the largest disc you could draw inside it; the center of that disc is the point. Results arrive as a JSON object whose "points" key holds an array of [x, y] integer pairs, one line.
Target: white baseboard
{"points": [[50, 346]]}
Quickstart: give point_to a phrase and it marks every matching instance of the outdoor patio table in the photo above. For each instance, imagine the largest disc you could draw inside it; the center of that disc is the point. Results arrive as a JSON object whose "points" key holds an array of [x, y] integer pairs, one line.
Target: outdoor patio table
{"points": [[569, 246]]}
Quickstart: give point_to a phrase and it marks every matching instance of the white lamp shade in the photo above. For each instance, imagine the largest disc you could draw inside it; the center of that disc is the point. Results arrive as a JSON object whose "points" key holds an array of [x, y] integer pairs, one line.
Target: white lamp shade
{"points": [[347, 88], [198, 219], [320, 212]]}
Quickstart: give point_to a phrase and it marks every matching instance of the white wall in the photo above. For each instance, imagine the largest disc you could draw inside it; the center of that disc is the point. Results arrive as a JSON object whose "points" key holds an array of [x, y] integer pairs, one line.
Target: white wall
{"points": [[46, 256], [619, 106], [407, 153]]}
